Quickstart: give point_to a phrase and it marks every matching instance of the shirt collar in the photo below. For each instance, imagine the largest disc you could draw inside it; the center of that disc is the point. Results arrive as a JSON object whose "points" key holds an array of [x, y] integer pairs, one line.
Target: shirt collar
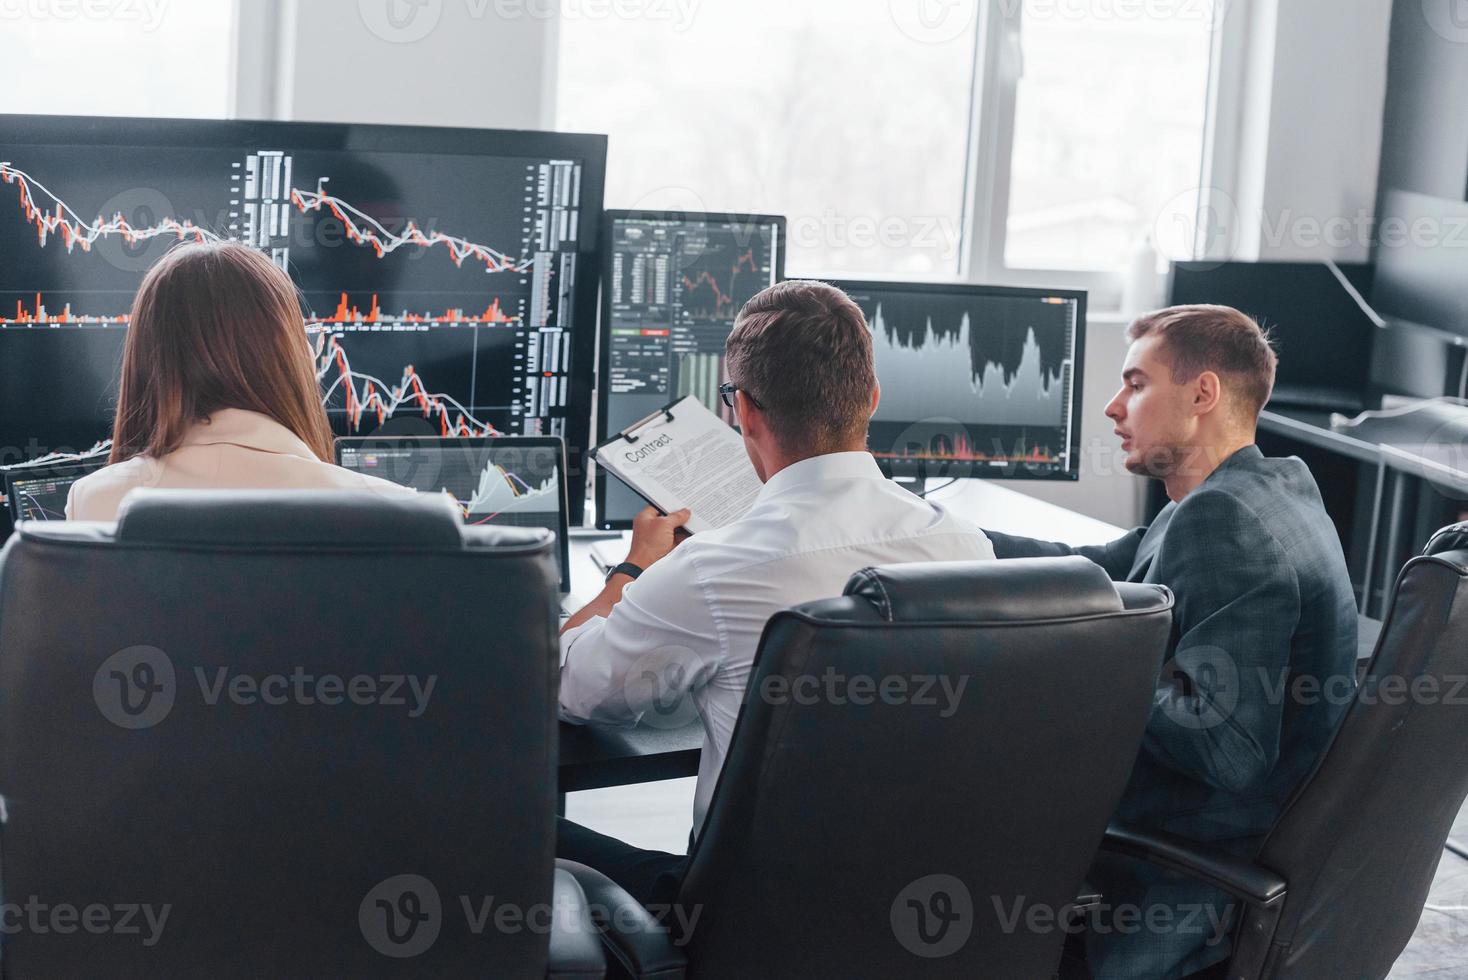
{"points": [[251, 430], [819, 469]]}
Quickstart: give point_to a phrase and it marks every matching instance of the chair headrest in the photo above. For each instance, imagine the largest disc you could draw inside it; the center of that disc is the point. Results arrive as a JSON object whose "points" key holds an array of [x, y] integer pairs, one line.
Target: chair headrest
{"points": [[316, 518], [1454, 537], [1007, 590]]}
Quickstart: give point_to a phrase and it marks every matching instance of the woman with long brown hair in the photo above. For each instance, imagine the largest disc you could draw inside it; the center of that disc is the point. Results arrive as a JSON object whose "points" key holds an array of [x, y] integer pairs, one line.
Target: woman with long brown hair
{"points": [[218, 386]]}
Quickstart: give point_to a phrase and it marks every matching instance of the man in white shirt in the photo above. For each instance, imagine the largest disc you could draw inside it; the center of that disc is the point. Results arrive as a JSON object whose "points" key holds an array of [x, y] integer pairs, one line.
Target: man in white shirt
{"points": [[684, 635]]}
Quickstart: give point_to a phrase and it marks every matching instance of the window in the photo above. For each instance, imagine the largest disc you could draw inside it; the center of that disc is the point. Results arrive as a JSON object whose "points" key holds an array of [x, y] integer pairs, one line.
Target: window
{"points": [[1108, 134], [118, 57], [853, 118], [835, 113]]}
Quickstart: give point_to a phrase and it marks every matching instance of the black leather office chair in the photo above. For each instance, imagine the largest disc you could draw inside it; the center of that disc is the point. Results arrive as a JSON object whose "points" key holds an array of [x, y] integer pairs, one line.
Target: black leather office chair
{"points": [[1339, 885], [900, 837], [211, 708]]}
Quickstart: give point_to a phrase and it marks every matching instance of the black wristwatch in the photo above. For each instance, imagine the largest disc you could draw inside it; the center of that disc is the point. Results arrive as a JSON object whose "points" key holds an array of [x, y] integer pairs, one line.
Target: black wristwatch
{"points": [[626, 568]]}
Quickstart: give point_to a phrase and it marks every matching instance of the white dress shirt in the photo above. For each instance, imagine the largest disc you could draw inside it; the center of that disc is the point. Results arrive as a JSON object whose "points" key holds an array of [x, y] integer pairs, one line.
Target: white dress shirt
{"points": [[692, 622], [233, 449]]}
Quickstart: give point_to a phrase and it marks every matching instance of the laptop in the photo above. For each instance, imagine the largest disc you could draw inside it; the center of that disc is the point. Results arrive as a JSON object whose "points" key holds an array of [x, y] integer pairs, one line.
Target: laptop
{"points": [[38, 491], [513, 481]]}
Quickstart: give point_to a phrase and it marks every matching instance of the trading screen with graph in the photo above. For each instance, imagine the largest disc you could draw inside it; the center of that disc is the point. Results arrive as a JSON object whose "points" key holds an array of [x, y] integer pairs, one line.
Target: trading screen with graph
{"points": [[976, 380], [448, 276], [672, 285], [509, 481]]}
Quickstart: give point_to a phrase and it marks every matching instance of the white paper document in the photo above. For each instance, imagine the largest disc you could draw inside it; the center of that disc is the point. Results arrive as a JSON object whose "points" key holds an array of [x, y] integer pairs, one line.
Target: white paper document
{"points": [[685, 456]]}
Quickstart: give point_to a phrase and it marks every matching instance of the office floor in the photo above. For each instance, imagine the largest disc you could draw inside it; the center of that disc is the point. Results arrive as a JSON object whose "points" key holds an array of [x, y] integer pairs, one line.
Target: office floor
{"points": [[657, 815], [1439, 947]]}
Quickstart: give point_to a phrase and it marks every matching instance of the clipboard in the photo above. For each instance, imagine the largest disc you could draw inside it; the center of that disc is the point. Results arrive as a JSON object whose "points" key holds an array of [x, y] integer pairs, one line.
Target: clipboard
{"points": [[629, 435], [731, 487]]}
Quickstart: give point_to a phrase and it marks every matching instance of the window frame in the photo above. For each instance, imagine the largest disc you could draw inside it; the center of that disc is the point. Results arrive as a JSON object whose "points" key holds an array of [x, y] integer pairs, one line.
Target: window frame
{"points": [[260, 89], [997, 72]]}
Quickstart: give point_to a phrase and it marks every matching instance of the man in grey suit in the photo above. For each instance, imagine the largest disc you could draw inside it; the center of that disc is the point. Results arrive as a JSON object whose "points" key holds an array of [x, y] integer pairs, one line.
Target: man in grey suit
{"points": [[1261, 663]]}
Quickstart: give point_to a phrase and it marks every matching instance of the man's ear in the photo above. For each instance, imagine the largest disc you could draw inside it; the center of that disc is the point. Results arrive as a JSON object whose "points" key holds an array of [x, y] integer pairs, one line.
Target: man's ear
{"points": [[1207, 392], [751, 419], [876, 395]]}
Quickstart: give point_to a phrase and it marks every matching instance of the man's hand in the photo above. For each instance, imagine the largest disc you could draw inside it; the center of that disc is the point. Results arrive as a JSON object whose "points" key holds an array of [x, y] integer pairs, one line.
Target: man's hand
{"points": [[654, 536]]}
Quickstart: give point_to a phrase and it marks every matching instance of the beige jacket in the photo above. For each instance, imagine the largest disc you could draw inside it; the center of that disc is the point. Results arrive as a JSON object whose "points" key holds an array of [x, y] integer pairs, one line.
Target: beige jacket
{"points": [[232, 450]]}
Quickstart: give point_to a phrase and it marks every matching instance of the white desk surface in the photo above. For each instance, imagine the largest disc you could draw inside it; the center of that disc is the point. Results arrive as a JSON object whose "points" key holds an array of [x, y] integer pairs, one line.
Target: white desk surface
{"points": [[988, 505]]}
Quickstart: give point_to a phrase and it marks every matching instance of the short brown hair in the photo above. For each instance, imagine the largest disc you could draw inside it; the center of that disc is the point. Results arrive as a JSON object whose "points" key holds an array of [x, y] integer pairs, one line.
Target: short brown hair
{"points": [[215, 325], [803, 350], [1202, 338]]}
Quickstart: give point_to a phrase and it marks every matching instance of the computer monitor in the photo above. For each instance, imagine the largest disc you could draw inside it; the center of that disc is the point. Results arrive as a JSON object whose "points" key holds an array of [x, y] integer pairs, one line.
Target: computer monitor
{"points": [[672, 284], [977, 381], [448, 275], [1316, 317], [39, 492], [1422, 262], [518, 482]]}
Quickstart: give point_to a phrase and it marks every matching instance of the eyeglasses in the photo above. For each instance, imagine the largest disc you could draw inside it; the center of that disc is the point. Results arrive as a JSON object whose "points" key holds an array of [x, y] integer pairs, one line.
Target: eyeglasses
{"points": [[726, 392]]}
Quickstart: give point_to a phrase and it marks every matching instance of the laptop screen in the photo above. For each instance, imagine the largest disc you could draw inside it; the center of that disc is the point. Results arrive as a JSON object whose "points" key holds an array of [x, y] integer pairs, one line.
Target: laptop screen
{"points": [[518, 481], [38, 493]]}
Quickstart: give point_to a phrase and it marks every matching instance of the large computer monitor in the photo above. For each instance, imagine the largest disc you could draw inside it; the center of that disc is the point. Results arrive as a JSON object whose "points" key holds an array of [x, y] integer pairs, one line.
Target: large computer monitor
{"points": [[672, 284], [1421, 260], [977, 381], [448, 275], [1315, 313]]}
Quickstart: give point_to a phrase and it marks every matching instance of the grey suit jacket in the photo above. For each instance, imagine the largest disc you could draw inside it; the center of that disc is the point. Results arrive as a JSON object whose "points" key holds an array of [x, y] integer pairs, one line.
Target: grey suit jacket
{"points": [[1259, 670]]}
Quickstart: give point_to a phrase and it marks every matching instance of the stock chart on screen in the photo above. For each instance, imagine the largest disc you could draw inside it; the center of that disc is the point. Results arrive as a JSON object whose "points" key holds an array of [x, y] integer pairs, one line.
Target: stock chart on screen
{"points": [[448, 276], [976, 380], [672, 284], [505, 481]]}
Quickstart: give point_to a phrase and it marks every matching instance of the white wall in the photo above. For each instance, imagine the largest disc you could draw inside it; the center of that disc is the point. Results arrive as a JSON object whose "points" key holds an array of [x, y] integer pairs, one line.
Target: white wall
{"points": [[485, 63], [1425, 137], [1308, 118]]}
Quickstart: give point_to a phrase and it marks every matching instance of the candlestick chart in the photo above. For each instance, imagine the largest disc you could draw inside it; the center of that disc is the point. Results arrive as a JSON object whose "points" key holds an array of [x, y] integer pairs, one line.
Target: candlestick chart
{"points": [[438, 289]]}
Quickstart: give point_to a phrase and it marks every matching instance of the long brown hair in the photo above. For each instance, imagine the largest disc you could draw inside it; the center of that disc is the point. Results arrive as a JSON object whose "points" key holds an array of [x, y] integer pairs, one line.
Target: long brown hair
{"points": [[215, 325]]}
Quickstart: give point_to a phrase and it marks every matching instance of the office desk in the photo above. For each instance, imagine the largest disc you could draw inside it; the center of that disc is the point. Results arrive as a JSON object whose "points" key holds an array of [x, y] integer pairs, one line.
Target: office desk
{"points": [[593, 757], [1394, 458]]}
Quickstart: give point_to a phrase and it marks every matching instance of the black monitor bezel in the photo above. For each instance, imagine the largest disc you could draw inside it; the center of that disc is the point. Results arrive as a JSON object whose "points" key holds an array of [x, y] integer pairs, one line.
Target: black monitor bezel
{"points": [[589, 148], [923, 470], [604, 324], [473, 444], [76, 468]]}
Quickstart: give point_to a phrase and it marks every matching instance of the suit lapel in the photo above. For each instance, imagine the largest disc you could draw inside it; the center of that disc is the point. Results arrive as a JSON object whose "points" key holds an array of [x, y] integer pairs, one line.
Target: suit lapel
{"points": [[1144, 565]]}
